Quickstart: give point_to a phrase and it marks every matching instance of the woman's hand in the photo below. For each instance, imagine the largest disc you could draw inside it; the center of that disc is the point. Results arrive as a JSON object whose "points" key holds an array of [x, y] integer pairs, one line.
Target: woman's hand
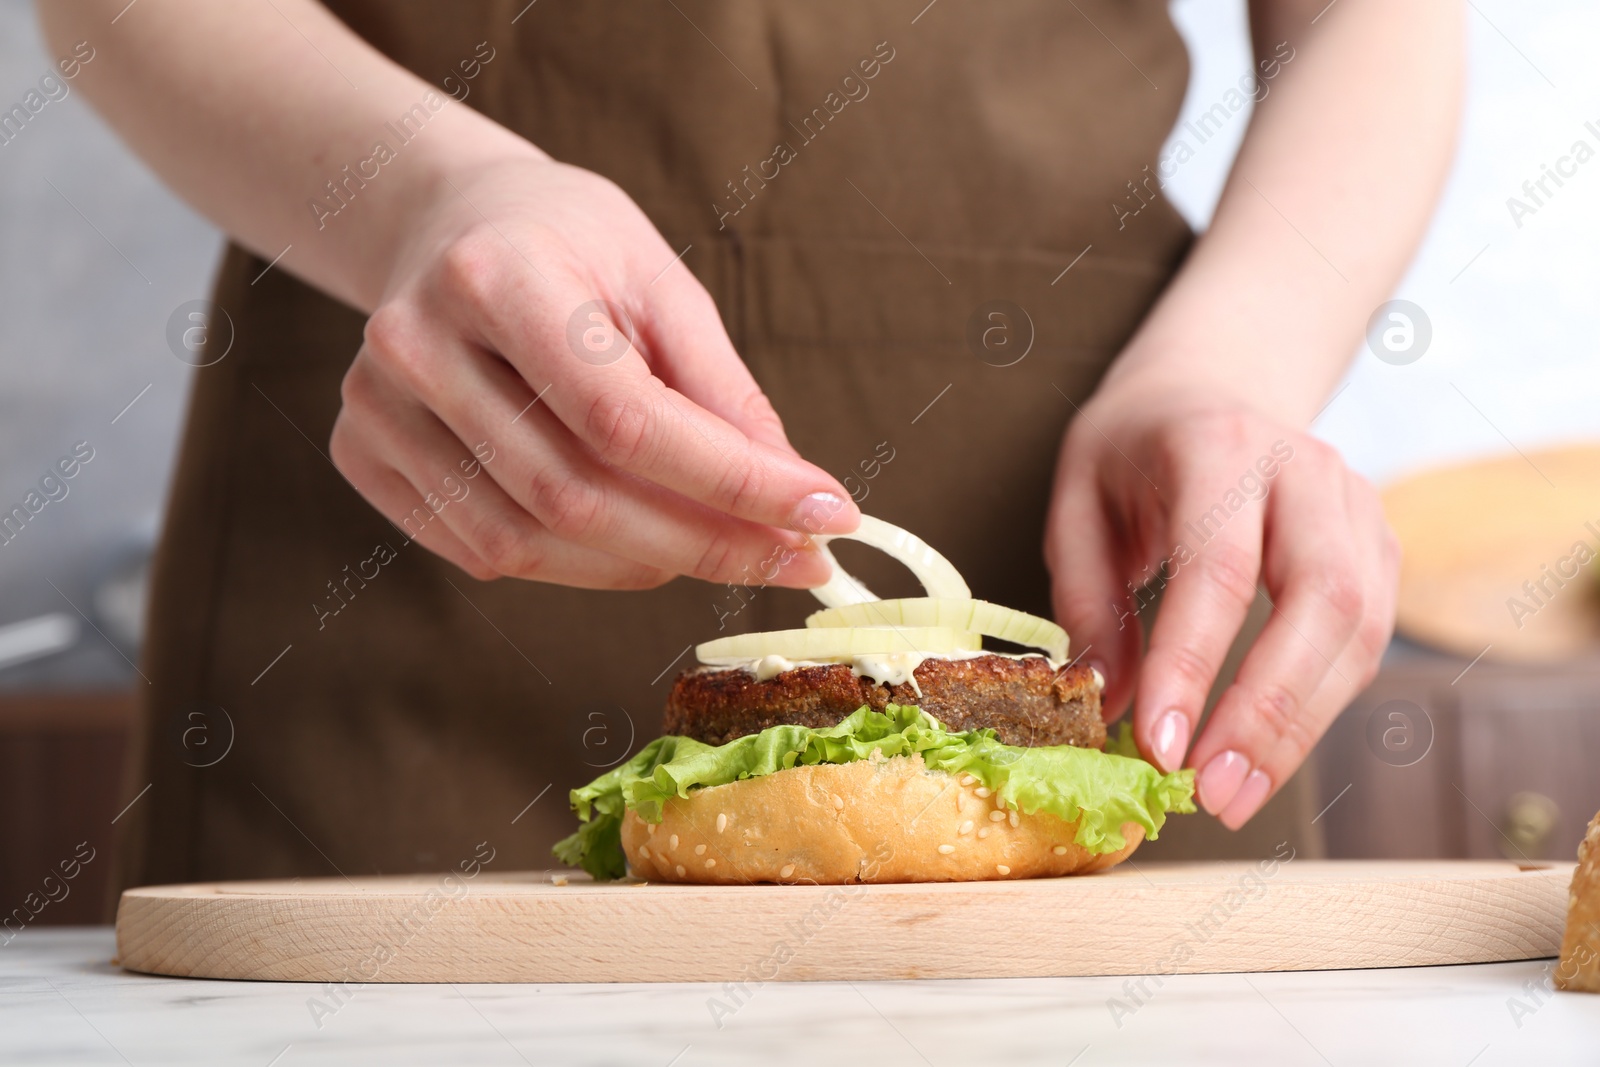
{"points": [[1188, 469], [475, 254], [609, 464], [1203, 499]]}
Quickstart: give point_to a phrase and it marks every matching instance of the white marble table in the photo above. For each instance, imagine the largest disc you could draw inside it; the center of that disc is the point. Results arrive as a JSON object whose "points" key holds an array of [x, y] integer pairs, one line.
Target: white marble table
{"points": [[61, 1001]]}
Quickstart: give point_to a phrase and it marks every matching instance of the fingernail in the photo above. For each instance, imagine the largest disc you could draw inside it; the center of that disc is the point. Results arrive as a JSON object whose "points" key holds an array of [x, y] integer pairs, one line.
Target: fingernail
{"points": [[1247, 801], [822, 513], [1170, 740], [1220, 779]]}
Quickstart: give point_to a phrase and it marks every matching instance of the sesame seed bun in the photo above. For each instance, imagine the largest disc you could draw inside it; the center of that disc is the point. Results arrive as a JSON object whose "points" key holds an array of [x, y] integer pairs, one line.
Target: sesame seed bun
{"points": [[883, 820]]}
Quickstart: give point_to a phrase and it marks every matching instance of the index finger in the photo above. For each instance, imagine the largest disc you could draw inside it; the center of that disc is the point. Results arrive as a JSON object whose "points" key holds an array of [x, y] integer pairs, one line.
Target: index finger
{"points": [[603, 390], [683, 324]]}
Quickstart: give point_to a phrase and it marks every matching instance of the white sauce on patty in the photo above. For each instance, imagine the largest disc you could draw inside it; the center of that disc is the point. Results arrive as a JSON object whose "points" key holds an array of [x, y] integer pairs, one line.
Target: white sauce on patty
{"points": [[887, 668]]}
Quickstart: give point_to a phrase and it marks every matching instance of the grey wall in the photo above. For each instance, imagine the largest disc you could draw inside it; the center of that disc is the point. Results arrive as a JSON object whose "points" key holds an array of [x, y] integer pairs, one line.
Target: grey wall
{"points": [[82, 332]]}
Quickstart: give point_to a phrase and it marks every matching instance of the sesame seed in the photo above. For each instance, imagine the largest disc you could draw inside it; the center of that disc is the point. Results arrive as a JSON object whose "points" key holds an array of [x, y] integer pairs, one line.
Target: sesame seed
{"points": [[838, 802], [722, 822], [681, 871], [788, 869], [966, 827], [710, 864], [945, 850], [672, 842], [1003, 869], [1060, 850], [961, 802], [699, 850], [984, 832], [982, 791], [650, 828], [1014, 820], [645, 852], [996, 816], [967, 779]]}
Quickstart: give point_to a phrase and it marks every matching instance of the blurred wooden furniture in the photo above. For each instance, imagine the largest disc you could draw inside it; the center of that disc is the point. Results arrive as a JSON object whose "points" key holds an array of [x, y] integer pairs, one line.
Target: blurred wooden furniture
{"points": [[1442, 759], [61, 784]]}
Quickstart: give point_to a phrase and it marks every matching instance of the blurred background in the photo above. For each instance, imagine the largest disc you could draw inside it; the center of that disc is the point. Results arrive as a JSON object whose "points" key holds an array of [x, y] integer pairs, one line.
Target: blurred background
{"points": [[1475, 740]]}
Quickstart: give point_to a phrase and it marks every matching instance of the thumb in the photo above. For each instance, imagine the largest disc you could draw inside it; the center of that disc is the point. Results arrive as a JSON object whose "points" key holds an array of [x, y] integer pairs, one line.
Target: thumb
{"points": [[1090, 594]]}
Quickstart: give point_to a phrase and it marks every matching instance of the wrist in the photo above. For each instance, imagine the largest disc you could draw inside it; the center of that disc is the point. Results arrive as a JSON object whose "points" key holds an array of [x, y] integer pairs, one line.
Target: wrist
{"points": [[1150, 373], [418, 212]]}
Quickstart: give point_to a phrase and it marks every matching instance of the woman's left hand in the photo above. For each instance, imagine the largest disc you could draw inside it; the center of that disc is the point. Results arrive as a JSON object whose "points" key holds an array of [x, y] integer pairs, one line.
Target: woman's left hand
{"points": [[1204, 498]]}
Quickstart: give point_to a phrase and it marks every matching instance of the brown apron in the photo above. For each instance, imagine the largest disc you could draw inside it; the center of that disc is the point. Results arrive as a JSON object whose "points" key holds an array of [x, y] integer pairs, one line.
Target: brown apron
{"points": [[432, 712]]}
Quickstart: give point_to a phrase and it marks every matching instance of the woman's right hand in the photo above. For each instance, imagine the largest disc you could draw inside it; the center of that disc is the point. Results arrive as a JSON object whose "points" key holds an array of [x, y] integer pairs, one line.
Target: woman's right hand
{"points": [[498, 416], [474, 252]]}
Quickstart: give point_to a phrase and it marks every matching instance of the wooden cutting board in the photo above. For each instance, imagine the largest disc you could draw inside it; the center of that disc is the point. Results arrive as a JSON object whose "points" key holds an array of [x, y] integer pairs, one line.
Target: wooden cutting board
{"points": [[1149, 919]]}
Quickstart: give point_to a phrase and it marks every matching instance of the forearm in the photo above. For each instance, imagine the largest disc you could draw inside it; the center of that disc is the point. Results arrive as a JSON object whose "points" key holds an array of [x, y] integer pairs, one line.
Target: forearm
{"points": [[1331, 192], [248, 111]]}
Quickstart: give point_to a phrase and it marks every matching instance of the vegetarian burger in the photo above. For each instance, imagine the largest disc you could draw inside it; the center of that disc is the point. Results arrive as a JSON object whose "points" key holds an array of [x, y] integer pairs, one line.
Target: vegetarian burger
{"points": [[879, 744]]}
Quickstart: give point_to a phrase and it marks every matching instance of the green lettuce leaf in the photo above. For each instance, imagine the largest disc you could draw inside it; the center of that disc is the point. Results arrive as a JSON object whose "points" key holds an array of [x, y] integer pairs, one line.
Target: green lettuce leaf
{"points": [[1100, 791]]}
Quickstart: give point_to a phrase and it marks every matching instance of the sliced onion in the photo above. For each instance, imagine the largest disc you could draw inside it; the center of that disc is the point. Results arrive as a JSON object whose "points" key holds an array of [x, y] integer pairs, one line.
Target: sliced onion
{"points": [[937, 574], [974, 616], [835, 642]]}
